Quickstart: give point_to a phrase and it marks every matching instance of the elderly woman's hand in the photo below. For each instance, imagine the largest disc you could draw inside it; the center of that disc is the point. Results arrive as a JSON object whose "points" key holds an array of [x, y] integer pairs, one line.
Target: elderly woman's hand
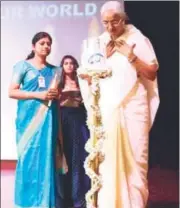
{"points": [[126, 50], [86, 77]]}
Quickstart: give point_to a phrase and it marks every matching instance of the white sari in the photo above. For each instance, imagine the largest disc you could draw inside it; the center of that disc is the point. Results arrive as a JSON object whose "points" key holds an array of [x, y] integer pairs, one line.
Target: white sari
{"points": [[128, 105]]}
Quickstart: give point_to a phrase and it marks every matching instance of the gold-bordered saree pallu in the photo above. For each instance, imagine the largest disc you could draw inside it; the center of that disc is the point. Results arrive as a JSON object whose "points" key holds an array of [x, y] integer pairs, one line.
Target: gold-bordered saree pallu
{"points": [[126, 153], [129, 105]]}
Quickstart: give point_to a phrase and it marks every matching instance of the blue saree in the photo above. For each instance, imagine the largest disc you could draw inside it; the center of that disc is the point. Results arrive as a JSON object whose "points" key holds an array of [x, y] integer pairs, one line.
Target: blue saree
{"points": [[36, 137]]}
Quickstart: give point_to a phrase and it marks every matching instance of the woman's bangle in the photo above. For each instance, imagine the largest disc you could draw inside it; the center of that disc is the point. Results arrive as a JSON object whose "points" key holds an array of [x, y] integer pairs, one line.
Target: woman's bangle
{"points": [[133, 59]]}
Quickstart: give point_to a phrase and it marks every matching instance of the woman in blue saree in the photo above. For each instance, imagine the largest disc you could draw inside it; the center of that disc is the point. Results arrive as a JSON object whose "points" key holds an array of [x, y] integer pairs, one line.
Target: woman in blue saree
{"points": [[75, 134], [37, 126]]}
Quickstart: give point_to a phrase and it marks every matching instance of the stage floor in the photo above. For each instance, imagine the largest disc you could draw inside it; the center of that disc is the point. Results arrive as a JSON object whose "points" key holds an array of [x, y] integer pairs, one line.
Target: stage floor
{"points": [[163, 185]]}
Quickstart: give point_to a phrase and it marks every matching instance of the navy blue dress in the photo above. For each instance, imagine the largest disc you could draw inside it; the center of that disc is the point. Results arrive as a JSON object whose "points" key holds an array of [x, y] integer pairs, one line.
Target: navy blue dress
{"points": [[75, 135]]}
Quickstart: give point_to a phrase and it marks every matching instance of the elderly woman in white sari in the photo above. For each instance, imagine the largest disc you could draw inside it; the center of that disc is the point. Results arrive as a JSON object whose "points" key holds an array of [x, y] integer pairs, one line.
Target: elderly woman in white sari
{"points": [[129, 102]]}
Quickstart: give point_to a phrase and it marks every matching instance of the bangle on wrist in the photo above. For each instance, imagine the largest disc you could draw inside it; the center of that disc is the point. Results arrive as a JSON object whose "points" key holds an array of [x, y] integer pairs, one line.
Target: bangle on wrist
{"points": [[133, 59]]}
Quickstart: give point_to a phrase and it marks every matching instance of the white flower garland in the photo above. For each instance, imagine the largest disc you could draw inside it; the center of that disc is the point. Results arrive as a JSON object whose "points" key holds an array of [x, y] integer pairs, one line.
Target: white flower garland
{"points": [[96, 155], [94, 150]]}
